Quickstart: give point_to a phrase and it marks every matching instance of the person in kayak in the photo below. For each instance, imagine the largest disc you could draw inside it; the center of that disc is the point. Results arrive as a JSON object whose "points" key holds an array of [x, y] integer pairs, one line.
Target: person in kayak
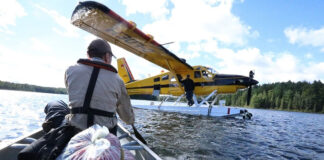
{"points": [[96, 92]]}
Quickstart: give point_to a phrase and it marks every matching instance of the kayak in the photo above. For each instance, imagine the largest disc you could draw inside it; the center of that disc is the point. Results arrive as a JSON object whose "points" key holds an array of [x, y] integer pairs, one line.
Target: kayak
{"points": [[127, 140]]}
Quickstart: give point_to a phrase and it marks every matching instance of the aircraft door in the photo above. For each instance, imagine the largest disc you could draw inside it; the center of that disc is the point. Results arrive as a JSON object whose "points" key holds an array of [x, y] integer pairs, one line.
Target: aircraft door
{"points": [[156, 86], [198, 77]]}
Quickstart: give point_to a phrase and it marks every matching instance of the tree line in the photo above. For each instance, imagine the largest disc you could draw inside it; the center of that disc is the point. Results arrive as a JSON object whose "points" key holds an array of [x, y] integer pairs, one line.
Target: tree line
{"points": [[32, 88], [292, 96]]}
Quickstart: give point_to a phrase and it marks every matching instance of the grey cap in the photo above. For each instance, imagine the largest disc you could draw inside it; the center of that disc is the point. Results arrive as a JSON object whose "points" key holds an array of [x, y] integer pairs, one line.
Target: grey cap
{"points": [[100, 46]]}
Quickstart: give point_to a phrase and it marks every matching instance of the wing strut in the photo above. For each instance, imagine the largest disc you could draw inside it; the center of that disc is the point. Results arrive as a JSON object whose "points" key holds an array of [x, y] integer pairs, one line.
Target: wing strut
{"points": [[174, 74]]}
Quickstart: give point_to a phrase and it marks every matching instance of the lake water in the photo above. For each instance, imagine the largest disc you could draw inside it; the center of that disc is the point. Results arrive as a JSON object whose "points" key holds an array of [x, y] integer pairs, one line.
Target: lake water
{"points": [[269, 135]]}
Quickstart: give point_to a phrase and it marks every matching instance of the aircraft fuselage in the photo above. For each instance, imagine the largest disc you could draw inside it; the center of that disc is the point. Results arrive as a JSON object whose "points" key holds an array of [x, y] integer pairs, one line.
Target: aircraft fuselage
{"points": [[205, 80]]}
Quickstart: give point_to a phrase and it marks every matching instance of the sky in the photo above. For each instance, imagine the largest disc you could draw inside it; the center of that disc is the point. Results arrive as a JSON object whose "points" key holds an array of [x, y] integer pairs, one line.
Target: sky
{"points": [[279, 40]]}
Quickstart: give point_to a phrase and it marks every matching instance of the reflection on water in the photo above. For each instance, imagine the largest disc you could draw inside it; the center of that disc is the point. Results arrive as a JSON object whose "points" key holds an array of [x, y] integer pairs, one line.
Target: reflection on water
{"points": [[22, 112], [269, 135]]}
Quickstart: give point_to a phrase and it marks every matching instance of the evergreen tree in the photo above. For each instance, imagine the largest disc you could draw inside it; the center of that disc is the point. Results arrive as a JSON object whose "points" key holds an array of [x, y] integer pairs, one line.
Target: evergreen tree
{"points": [[300, 96]]}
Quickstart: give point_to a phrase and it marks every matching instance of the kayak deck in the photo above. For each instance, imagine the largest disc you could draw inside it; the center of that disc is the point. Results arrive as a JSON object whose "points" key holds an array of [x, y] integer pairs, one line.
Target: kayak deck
{"points": [[127, 140]]}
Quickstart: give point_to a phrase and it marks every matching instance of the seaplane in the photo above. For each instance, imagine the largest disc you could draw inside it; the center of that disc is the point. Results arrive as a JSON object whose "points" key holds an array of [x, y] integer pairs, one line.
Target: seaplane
{"points": [[103, 22]]}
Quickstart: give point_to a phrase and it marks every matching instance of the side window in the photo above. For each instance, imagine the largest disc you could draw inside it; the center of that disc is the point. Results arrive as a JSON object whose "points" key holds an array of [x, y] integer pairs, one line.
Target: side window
{"points": [[173, 79], [157, 79], [165, 77], [197, 74]]}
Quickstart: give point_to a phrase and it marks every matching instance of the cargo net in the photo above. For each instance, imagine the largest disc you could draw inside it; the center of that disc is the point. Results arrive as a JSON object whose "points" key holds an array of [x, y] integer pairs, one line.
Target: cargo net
{"points": [[95, 143]]}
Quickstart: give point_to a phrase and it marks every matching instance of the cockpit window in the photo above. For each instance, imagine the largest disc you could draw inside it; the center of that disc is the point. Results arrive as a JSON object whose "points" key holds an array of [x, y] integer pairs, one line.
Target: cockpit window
{"points": [[207, 74], [173, 79], [204, 73], [211, 70]]}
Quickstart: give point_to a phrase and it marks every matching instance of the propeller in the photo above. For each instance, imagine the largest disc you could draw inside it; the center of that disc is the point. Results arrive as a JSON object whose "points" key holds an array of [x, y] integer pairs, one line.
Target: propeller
{"points": [[251, 76]]}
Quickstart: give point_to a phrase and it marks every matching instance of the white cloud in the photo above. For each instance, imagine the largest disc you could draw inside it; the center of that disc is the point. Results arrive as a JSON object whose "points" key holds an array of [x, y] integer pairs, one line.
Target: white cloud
{"points": [[188, 56], [30, 68], [304, 36], [173, 46], [269, 67], [67, 29], [89, 38], [316, 69], [189, 28], [9, 12], [157, 8], [213, 21], [309, 56], [39, 45]]}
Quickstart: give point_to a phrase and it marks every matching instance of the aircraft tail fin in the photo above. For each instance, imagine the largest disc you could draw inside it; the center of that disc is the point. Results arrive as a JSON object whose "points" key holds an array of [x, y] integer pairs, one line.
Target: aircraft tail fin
{"points": [[124, 71]]}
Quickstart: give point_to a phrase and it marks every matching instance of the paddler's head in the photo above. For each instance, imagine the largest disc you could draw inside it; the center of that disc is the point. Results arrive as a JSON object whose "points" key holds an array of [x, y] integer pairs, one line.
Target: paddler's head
{"points": [[101, 49]]}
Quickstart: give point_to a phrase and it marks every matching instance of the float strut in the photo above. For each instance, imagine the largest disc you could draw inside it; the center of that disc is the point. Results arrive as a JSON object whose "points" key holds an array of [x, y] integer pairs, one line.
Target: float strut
{"points": [[206, 99], [195, 100], [177, 101], [212, 104], [164, 101]]}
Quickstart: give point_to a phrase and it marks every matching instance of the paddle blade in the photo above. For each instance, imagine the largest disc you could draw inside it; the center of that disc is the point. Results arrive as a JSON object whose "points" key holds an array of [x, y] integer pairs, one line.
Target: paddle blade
{"points": [[138, 135]]}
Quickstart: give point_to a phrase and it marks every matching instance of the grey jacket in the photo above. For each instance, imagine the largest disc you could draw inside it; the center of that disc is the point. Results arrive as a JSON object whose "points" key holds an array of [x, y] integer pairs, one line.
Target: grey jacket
{"points": [[109, 95]]}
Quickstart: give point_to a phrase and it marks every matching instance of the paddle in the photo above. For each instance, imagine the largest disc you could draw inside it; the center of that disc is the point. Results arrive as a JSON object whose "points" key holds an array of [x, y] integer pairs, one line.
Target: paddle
{"points": [[138, 135]]}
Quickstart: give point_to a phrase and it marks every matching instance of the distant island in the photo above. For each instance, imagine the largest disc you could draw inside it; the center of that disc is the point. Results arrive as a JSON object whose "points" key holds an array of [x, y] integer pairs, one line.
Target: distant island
{"points": [[290, 96], [32, 88]]}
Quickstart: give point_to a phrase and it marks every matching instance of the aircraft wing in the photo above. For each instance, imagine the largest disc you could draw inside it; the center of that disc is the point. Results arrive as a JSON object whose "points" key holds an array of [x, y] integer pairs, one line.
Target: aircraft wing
{"points": [[106, 24]]}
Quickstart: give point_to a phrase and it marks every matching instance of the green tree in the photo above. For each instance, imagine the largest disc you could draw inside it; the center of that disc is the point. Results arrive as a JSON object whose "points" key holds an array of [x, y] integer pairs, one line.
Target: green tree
{"points": [[301, 96]]}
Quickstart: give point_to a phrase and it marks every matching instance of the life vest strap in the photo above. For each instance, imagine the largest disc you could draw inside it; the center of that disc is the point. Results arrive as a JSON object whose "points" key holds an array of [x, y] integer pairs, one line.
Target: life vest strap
{"points": [[81, 110], [98, 65]]}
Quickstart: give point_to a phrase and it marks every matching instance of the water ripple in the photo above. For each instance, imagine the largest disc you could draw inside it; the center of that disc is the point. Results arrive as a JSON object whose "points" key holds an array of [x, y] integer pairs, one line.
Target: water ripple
{"points": [[269, 135]]}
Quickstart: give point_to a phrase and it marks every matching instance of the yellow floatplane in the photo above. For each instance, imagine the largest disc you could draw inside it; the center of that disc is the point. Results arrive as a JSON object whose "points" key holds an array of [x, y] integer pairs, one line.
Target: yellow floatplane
{"points": [[106, 24]]}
